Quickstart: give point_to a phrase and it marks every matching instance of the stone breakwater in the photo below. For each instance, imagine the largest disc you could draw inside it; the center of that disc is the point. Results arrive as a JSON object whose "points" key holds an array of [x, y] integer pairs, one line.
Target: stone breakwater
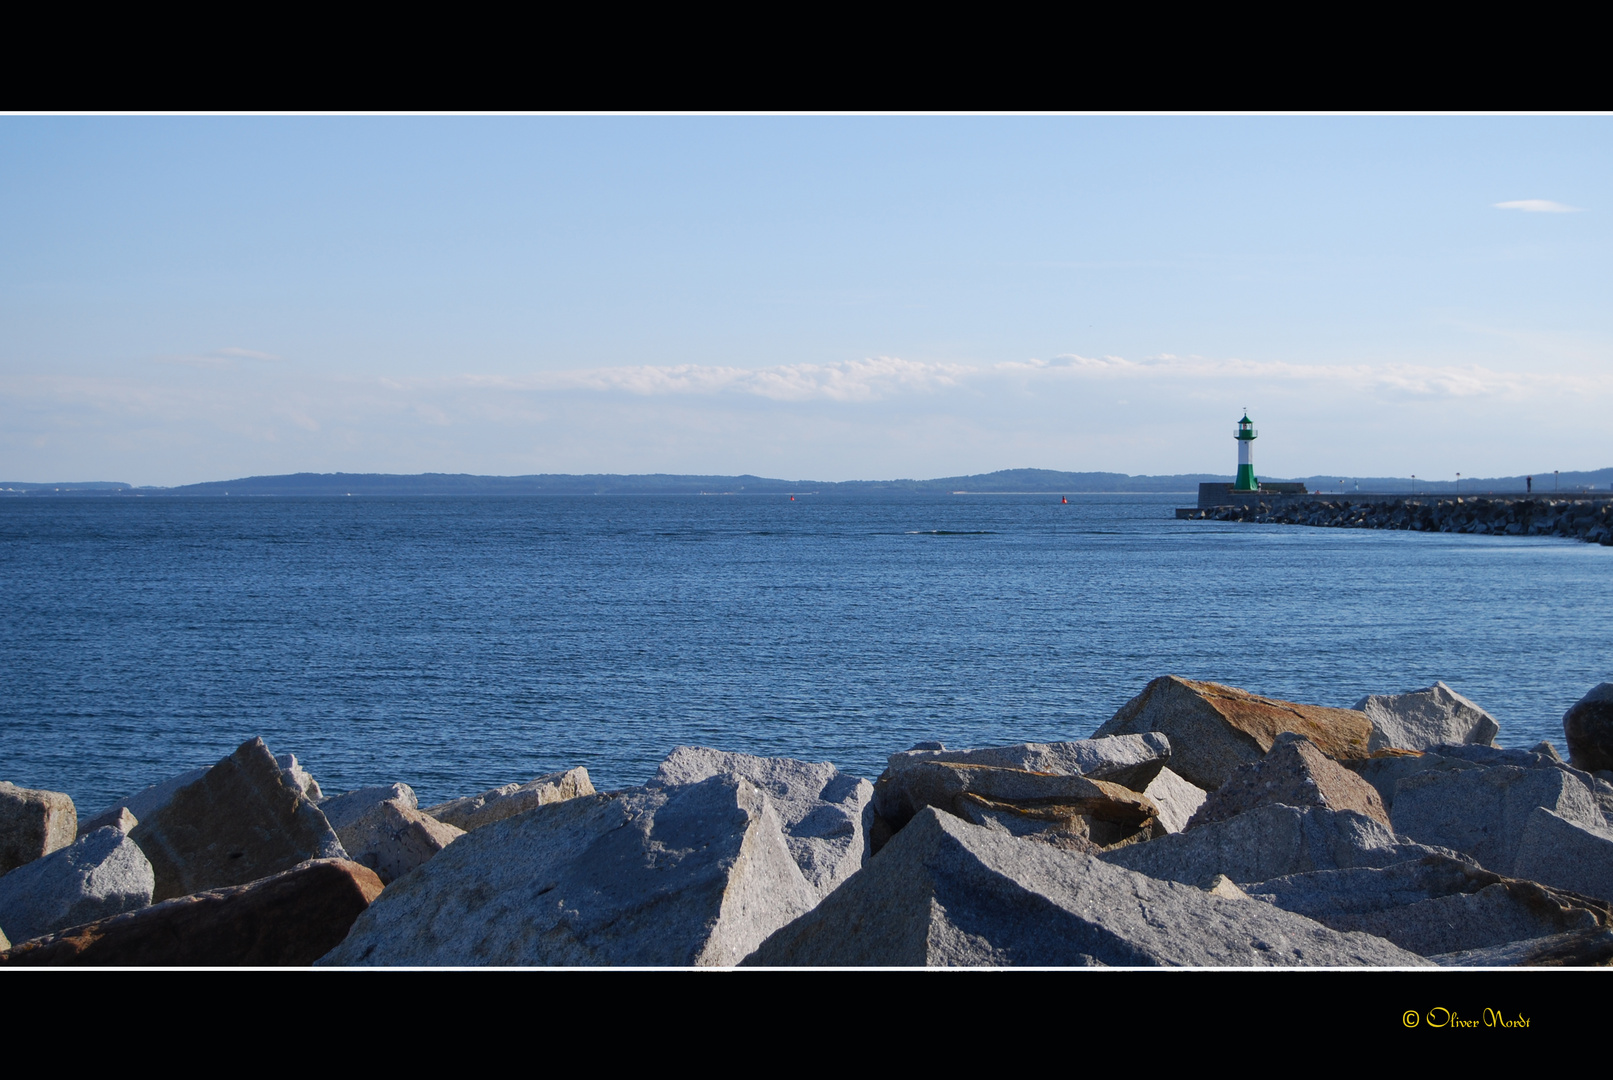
{"points": [[1201, 826], [1590, 520]]}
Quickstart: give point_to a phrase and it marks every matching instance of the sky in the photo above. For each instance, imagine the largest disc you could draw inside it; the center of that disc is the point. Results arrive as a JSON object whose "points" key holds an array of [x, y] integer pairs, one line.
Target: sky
{"points": [[821, 297]]}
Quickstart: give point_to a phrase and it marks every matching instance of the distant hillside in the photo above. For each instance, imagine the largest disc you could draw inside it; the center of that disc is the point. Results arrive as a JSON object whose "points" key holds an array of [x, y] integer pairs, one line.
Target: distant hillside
{"points": [[1545, 483], [1039, 481]]}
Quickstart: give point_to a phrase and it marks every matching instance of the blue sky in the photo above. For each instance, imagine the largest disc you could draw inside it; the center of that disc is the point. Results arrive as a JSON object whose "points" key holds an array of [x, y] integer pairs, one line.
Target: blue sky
{"points": [[195, 298]]}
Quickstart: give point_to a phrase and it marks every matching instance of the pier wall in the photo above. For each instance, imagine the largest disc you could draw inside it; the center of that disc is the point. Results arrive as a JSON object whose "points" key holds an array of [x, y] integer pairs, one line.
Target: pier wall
{"points": [[1221, 494], [1586, 517]]}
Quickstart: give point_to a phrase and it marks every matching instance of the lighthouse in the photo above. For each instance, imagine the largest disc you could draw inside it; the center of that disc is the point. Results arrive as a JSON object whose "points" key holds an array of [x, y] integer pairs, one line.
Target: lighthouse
{"points": [[1246, 458]]}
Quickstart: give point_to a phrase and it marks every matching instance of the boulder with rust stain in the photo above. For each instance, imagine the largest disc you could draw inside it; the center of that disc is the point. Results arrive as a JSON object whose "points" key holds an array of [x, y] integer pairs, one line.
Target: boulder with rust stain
{"points": [[33, 824], [1213, 729], [1294, 773], [1128, 760], [289, 919], [1021, 802], [240, 821]]}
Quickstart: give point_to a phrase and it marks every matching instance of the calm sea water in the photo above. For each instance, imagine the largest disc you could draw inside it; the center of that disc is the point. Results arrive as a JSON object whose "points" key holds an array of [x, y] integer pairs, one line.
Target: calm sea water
{"points": [[455, 644]]}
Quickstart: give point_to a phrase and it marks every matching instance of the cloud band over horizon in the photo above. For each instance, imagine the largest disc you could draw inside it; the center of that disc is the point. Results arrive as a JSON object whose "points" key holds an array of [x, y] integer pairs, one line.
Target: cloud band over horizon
{"points": [[882, 378]]}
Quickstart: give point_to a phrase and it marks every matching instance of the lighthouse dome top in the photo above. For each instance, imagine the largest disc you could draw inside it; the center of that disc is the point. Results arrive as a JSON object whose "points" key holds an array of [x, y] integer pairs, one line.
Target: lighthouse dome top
{"points": [[1246, 419]]}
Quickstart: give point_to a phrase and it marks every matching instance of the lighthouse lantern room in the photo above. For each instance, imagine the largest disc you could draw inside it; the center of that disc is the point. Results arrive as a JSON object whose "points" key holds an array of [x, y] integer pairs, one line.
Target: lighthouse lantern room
{"points": [[1246, 464]]}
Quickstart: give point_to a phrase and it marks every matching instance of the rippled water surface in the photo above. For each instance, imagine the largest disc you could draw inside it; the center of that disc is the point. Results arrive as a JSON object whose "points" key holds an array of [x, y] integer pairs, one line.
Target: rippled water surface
{"points": [[455, 644]]}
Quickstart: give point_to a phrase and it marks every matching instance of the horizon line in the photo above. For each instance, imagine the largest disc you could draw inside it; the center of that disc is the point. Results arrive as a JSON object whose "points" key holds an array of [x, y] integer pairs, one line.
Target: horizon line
{"points": [[1203, 477]]}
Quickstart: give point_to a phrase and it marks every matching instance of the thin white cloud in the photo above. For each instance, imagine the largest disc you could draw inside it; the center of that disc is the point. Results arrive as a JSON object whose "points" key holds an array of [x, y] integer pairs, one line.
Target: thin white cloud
{"points": [[1408, 380], [884, 378], [332, 403], [217, 358], [1538, 206], [849, 381]]}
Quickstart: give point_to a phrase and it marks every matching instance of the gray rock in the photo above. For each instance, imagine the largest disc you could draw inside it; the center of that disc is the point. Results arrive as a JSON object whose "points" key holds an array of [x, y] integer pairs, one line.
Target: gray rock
{"points": [[33, 824], [299, 777], [1128, 760], [344, 809], [1582, 948], [944, 892], [1097, 809], [142, 804], [1294, 773], [1268, 842], [240, 821], [1564, 853], [824, 813], [1177, 799], [1588, 727], [393, 838], [1422, 719], [1383, 773], [695, 875], [1213, 729], [5, 942], [1434, 905], [1482, 812], [100, 875], [1599, 786], [1499, 755], [474, 811]]}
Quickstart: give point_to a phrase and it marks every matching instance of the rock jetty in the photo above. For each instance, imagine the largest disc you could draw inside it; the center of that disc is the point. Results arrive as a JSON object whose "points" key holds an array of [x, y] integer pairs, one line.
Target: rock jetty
{"points": [[1590, 520], [1202, 826]]}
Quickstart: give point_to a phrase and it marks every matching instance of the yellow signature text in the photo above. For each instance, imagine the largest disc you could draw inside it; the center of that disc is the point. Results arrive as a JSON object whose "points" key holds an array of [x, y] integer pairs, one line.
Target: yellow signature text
{"points": [[1441, 1017]]}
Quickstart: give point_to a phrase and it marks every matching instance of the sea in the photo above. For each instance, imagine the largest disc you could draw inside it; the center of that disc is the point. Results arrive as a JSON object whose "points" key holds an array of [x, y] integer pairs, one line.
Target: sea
{"points": [[460, 643]]}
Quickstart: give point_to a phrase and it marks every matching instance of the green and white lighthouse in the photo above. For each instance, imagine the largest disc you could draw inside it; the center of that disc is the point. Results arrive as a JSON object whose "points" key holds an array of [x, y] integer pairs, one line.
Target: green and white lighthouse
{"points": [[1246, 458]]}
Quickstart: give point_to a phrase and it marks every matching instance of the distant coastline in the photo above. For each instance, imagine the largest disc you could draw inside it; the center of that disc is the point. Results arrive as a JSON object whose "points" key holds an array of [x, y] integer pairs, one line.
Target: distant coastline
{"points": [[1003, 482]]}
